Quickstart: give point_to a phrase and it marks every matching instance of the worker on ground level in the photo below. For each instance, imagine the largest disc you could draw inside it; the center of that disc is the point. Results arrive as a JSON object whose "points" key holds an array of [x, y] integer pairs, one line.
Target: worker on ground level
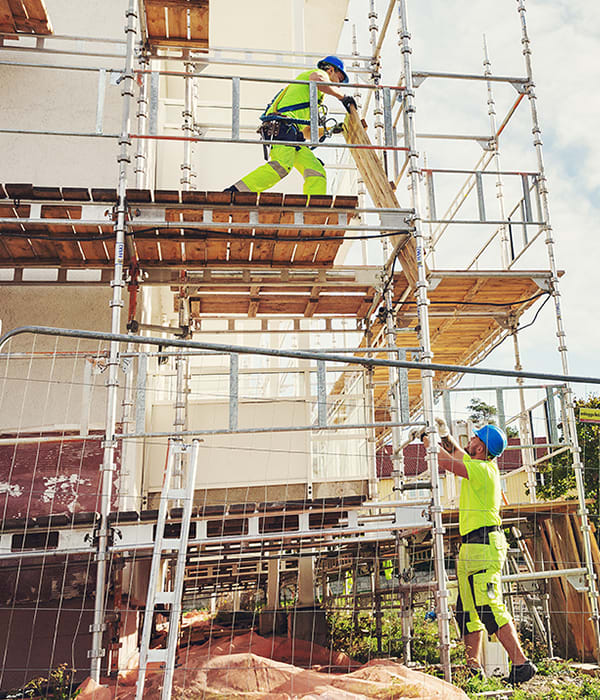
{"points": [[284, 120], [483, 550]]}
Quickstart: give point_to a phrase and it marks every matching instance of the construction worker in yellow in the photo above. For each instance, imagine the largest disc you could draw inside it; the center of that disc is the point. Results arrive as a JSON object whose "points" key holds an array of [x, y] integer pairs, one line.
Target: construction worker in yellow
{"points": [[483, 550], [284, 120]]}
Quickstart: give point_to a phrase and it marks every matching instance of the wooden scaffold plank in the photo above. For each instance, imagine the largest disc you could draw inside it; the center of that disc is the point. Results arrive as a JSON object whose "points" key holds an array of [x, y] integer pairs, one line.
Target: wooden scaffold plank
{"points": [[183, 23], [7, 20], [68, 250], [18, 248], [379, 189], [270, 213], [240, 243], [24, 17]]}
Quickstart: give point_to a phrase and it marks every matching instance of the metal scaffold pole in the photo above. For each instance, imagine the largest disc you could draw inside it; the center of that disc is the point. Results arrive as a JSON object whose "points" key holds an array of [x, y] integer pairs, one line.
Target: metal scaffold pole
{"points": [[504, 243], [443, 613], [376, 76], [395, 386], [524, 430], [109, 445], [141, 156], [188, 125], [560, 331]]}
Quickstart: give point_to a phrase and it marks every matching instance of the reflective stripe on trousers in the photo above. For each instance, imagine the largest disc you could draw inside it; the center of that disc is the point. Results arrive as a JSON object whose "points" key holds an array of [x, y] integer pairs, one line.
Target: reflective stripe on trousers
{"points": [[283, 159]]}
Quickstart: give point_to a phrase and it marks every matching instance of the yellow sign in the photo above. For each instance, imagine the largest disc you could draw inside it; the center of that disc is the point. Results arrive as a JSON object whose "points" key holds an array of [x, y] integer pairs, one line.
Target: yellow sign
{"points": [[589, 415]]}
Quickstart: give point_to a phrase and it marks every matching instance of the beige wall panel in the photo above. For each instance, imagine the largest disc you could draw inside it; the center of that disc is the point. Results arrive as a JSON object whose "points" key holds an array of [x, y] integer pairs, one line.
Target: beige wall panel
{"points": [[52, 391], [238, 460]]}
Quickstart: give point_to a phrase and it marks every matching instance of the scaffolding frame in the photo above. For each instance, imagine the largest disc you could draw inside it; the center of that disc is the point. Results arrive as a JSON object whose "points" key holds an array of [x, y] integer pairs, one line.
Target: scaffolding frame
{"points": [[405, 95]]}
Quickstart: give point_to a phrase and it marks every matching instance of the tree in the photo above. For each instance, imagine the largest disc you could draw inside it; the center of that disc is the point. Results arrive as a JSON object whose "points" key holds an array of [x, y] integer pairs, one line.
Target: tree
{"points": [[558, 474], [482, 413]]}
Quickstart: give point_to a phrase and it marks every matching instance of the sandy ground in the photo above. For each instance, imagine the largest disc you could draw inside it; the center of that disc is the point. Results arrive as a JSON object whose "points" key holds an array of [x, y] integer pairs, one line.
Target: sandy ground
{"points": [[250, 666]]}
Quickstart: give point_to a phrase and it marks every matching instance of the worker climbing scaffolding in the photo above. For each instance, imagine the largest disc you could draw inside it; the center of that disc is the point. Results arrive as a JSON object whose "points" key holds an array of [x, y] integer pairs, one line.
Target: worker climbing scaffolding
{"points": [[287, 118]]}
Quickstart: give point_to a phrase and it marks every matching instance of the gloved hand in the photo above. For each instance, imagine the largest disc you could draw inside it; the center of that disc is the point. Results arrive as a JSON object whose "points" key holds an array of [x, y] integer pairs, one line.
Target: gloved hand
{"points": [[349, 101], [442, 427], [416, 433]]}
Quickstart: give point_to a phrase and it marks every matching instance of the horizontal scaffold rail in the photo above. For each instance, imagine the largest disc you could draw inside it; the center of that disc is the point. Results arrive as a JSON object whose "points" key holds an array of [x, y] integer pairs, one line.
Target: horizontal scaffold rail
{"points": [[298, 354], [319, 522]]}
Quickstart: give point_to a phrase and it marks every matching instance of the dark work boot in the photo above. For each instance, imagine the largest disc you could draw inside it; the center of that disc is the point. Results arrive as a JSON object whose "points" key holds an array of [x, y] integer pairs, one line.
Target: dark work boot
{"points": [[475, 672], [521, 674]]}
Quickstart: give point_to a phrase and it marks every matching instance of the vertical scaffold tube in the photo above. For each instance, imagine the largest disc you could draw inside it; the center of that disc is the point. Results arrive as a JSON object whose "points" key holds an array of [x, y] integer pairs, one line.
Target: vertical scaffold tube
{"points": [[108, 464], [423, 316], [376, 76], [504, 245], [182, 363], [387, 285], [360, 183], [524, 431], [141, 155], [188, 126], [394, 378], [560, 331]]}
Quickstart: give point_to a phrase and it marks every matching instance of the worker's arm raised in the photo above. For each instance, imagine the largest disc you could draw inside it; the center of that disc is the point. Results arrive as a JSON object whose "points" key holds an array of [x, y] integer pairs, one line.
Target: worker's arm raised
{"points": [[456, 454], [451, 447], [326, 87]]}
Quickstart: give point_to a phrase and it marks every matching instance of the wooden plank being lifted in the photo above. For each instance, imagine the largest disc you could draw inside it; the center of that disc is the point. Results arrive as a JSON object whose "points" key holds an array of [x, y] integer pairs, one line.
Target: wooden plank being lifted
{"points": [[379, 189]]}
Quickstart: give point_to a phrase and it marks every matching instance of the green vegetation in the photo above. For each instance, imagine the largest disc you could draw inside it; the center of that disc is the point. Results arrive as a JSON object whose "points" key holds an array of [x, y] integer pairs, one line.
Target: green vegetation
{"points": [[558, 474], [481, 413], [58, 686], [555, 680], [358, 639]]}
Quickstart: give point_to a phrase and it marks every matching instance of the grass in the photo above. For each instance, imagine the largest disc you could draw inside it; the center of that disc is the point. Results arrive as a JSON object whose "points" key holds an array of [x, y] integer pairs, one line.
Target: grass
{"points": [[555, 680]]}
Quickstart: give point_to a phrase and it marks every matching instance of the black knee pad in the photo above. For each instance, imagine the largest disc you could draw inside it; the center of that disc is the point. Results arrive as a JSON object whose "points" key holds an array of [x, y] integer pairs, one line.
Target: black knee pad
{"points": [[487, 617]]}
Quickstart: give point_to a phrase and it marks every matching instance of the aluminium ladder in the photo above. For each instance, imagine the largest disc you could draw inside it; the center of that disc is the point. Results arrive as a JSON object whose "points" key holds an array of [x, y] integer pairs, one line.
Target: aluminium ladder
{"points": [[172, 493]]}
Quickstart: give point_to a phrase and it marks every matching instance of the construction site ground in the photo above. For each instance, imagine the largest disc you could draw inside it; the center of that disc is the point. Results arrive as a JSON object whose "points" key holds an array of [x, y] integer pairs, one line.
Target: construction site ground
{"points": [[216, 662]]}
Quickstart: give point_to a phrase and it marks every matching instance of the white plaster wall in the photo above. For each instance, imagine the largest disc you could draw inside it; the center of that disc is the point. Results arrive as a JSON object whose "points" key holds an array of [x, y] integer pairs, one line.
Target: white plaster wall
{"points": [[62, 100], [238, 460], [50, 392]]}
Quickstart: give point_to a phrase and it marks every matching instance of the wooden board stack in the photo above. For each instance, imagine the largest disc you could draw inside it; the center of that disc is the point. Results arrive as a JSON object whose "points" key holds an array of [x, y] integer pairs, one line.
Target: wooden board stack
{"points": [[380, 190]]}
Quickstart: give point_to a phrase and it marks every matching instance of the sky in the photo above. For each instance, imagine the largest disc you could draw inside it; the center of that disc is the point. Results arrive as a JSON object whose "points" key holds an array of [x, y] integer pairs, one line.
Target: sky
{"points": [[447, 36]]}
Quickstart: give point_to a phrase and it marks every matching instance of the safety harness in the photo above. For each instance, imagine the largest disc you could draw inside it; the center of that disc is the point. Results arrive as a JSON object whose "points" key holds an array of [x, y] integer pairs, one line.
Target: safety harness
{"points": [[276, 126]]}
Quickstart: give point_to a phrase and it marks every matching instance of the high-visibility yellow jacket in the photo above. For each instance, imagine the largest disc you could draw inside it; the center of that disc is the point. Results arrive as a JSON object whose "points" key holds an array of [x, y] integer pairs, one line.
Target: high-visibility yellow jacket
{"points": [[293, 102]]}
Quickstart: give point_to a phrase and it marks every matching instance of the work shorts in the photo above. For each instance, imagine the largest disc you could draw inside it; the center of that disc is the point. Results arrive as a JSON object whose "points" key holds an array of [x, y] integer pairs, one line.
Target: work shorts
{"points": [[480, 605]]}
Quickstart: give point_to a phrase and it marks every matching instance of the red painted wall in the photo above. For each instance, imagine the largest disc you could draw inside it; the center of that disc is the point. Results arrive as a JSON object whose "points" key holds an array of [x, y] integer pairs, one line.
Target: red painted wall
{"points": [[43, 478]]}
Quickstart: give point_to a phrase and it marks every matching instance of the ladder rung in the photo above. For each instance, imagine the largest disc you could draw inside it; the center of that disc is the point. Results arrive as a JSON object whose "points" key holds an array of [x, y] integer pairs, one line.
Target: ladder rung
{"points": [[164, 597], [177, 494], [155, 655]]}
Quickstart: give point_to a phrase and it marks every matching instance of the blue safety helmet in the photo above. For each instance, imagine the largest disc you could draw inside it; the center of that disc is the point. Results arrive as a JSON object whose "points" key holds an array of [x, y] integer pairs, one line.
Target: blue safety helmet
{"points": [[493, 438], [336, 63]]}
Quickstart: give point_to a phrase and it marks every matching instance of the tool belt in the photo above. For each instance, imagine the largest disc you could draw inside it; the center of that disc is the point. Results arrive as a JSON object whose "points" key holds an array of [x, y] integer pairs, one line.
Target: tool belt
{"points": [[278, 130], [480, 536]]}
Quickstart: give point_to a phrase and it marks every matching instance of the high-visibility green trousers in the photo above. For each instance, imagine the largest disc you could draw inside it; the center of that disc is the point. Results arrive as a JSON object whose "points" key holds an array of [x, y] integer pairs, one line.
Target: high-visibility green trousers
{"points": [[283, 159], [480, 605]]}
